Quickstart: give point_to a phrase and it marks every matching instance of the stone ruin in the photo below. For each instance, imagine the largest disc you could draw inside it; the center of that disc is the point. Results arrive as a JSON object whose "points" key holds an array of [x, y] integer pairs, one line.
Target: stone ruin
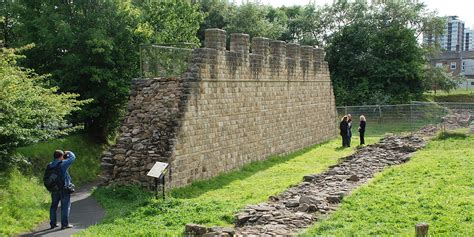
{"points": [[459, 118], [318, 195], [230, 108]]}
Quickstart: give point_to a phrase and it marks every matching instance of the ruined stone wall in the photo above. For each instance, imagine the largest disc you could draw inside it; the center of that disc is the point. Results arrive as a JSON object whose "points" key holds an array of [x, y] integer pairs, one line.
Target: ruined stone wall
{"points": [[229, 109]]}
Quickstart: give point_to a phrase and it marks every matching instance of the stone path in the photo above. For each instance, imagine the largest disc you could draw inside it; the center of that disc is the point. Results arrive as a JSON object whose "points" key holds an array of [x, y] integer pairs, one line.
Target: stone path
{"points": [[318, 195], [85, 211]]}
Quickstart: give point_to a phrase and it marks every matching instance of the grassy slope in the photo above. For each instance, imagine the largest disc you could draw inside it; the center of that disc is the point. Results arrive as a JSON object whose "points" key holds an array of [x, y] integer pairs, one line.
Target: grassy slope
{"points": [[85, 167], [436, 187], [459, 96], [23, 203], [23, 200], [213, 202]]}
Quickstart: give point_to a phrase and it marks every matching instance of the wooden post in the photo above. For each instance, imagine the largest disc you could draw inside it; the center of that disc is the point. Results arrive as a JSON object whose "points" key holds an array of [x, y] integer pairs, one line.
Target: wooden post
{"points": [[421, 229]]}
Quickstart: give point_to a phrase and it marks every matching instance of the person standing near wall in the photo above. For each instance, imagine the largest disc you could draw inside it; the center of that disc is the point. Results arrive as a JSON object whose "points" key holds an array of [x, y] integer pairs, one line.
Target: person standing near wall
{"points": [[343, 130], [362, 129], [349, 129], [62, 161]]}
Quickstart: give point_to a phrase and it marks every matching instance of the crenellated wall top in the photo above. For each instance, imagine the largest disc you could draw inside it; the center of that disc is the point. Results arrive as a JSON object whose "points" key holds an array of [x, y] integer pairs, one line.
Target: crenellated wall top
{"points": [[241, 43]]}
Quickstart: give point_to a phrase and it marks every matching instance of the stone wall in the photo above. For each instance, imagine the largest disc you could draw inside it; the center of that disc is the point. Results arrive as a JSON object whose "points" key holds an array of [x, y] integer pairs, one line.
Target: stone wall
{"points": [[230, 108]]}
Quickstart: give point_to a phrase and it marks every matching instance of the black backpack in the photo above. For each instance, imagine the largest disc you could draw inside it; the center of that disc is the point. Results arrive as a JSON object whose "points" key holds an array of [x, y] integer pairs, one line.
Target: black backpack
{"points": [[53, 178]]}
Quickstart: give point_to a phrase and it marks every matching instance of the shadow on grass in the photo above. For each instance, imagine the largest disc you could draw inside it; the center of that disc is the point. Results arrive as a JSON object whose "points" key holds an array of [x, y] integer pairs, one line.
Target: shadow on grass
{"points": [[340, 148], [198, 188], [123, 200]]}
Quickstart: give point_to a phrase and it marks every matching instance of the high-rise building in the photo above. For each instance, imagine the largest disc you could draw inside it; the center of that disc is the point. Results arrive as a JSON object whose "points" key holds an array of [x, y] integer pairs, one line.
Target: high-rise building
{"points": [[454, 37], [469, 39]]}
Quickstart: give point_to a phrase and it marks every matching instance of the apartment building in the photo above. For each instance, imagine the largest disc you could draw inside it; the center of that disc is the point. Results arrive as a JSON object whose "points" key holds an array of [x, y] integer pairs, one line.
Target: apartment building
{"points": [[458, 63], [454, 37]]}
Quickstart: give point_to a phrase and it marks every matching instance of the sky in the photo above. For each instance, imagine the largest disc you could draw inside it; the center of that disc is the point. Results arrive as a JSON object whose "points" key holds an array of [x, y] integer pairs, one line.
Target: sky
{"points": [[462, 8]]}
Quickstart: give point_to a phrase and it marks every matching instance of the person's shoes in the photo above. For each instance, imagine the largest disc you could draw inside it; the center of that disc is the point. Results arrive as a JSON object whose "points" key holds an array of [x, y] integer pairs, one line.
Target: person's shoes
{"points": [[67, 226], [54, 226]]}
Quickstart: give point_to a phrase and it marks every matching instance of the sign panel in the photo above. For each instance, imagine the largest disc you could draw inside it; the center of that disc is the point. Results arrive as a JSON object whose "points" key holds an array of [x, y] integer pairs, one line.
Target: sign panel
{"points": [[158, 169]]}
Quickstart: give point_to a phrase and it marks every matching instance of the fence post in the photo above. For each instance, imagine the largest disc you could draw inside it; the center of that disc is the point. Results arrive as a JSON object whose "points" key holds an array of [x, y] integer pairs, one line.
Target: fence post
{"points": [[411, 117], [380, 116], [421, 229]]}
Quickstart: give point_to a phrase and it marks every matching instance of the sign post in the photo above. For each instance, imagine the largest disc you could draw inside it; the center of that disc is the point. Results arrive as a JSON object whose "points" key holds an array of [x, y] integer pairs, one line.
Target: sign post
{"points": [[158, 172]]}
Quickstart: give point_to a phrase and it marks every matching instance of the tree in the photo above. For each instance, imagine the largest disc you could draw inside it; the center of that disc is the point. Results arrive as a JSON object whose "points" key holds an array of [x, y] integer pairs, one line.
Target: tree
{"points": [[439, 78], [92, 47], [169, 21], [29, 110], [216, 15], [251, 18], [377, 58]]}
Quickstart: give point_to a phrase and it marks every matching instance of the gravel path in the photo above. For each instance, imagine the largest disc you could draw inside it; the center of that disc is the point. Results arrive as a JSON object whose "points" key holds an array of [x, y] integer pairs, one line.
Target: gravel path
{"points": [[85, 211]]}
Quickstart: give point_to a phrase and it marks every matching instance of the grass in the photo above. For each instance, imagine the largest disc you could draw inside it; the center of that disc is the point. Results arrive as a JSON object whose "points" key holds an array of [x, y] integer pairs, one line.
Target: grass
{"points": [[436, 187], [458, 95], [379, 129], [85, 168], [24, 201], [131, 211]]}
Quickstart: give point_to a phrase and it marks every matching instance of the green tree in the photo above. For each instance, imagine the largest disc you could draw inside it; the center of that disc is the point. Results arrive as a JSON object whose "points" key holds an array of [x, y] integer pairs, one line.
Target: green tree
{"points": [[216, 14], [29, 110], [256, 19], [439, 78], [169, 21], [92, 47], [7, 22], [376, 58]]}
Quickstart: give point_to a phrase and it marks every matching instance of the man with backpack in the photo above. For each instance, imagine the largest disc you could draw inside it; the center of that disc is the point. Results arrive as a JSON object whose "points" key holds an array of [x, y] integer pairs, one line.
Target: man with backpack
{"points": [[58, 181]]}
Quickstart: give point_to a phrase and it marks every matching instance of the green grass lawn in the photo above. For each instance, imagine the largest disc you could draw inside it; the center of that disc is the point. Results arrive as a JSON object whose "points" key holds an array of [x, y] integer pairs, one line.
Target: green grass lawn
{"points": [[131, 211], [85, 168], [24, 201], [436, 186], [461, 95]]}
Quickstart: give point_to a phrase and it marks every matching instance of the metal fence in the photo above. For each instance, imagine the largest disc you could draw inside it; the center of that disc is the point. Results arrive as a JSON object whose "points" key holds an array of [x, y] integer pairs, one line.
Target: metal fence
{"points": [[383, 119], [165, 60]]}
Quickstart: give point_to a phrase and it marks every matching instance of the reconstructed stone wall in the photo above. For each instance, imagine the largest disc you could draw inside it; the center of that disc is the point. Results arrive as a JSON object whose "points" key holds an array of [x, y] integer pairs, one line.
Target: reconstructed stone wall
{"points": [[230, 108]]}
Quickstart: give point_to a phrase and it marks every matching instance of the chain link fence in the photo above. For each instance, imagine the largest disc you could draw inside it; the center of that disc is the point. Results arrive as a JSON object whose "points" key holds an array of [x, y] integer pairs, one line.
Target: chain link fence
{"points": [[165, 60], [383, 119]]}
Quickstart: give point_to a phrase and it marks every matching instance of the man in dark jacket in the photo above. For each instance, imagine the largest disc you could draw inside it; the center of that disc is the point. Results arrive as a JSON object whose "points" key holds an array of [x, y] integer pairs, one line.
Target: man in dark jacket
{"points": [[343, 128], [63, 196]]}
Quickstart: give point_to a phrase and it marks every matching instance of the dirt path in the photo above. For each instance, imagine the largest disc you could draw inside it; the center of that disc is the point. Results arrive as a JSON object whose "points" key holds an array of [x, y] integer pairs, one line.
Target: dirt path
{"points": [[85, 211]]}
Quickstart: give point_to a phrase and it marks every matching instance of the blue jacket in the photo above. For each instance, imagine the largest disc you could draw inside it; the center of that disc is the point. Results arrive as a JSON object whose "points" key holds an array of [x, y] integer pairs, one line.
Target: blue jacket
{"points": [[64, 167]]}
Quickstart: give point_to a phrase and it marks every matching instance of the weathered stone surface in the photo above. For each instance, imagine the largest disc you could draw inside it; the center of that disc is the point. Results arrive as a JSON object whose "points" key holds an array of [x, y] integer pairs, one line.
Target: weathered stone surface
{"points": [[353, 178], [241, 219], [309, 200], [229, 109], [298, 207], [194, 229]]}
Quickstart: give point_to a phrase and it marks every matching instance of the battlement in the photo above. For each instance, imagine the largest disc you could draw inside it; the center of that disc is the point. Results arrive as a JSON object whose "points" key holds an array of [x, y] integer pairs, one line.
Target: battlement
{"points": [[212, 110], [259, 59]]}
